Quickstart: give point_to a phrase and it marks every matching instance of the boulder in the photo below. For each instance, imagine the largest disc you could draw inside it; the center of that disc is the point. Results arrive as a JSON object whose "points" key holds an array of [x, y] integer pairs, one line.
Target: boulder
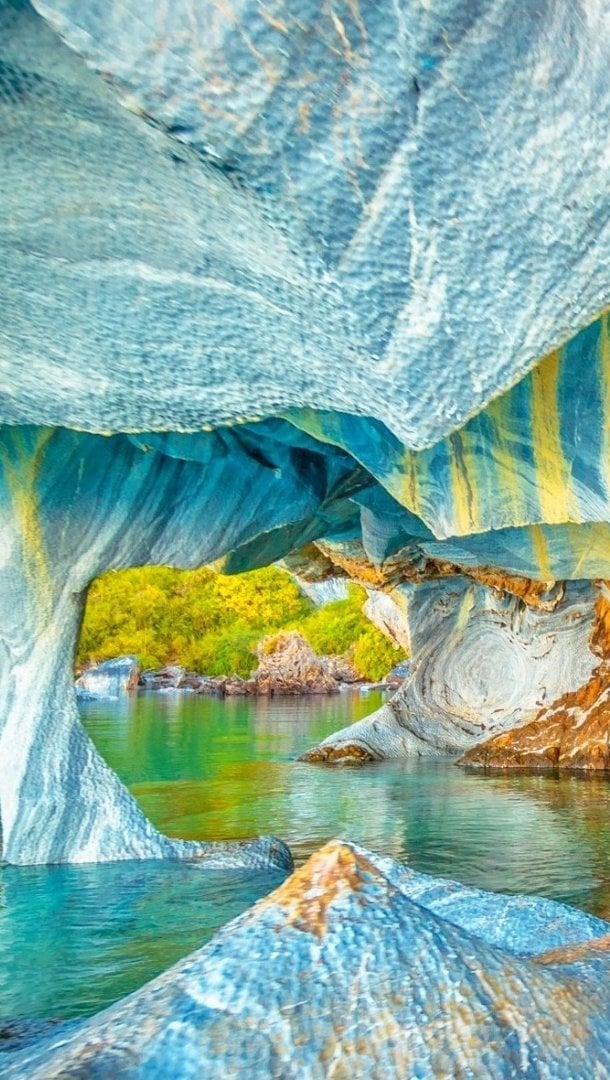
{"points": [[170, 677], [287, 664], [359, 967], [341, 668], [109, 679]]}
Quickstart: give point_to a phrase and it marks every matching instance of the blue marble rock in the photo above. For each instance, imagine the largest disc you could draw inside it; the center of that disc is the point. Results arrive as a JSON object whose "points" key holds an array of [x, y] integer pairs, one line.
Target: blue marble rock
{"points": [[357, 966], [408, 202], [109, 679], [276, 277]]}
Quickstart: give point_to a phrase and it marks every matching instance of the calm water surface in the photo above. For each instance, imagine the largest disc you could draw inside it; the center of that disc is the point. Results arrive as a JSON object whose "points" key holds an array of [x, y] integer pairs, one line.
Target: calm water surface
{"points": [[73, 939]]}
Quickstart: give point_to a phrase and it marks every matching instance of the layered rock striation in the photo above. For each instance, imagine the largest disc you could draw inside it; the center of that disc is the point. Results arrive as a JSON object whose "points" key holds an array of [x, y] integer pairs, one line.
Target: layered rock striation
{"points": [[484, 662], [573, 732]]}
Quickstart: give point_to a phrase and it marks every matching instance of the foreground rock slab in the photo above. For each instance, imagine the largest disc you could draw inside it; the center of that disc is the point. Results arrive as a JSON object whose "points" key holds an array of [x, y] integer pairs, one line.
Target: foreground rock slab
{"points": [[358, 967]]}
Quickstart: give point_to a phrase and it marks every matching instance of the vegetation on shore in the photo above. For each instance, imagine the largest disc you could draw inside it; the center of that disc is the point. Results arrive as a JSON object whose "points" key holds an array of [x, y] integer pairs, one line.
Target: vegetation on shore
{"points": [[211, 623]]}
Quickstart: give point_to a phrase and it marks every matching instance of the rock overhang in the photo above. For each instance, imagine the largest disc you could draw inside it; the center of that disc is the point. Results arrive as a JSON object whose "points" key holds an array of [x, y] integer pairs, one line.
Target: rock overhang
{"points": [[183, 277]]}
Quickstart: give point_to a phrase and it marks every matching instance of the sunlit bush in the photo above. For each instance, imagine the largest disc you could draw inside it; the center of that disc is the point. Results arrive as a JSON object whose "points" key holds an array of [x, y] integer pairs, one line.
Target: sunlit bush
{"points": [[211, 623]]}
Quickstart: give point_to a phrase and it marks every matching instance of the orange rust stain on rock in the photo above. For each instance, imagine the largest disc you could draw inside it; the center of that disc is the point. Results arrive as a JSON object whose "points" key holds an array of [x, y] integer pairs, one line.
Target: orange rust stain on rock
{"points": [[572, 733], [536, 594], [330, 754], [600, 635], [584, 950], [308, 894], [406, 566]]}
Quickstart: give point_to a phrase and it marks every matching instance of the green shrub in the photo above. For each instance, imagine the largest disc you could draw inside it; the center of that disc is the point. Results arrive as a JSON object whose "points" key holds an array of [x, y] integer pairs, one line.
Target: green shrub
{"points": [[373, 655], [212, 623]]}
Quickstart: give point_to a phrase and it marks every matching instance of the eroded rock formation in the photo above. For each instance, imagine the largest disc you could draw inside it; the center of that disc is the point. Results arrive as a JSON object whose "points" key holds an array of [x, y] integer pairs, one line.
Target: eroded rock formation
{"points": [[573, 732], [357, 966], [483, 662], [237, 320], [287, 664]]}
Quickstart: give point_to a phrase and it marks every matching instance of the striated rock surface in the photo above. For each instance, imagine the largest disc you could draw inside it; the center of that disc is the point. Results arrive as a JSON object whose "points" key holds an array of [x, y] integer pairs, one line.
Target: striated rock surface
{"points": [[573, 732], [359, 967], [375, 244], [274, 300], [388, 613]]}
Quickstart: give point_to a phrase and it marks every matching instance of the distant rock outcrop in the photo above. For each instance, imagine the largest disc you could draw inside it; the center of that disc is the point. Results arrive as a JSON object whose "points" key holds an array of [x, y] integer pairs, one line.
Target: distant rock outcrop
{"points": [[287, 664], [109, 679]]}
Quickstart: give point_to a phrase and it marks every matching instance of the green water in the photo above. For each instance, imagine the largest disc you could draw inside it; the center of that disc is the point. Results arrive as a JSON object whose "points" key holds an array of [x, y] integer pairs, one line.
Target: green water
{"points": [[73, 939]]}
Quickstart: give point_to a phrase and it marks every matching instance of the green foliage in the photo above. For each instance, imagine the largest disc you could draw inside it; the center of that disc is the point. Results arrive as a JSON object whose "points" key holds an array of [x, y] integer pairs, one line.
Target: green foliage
{"points": [[334, 628], [211, 623], [374, 654], [340, 628]]}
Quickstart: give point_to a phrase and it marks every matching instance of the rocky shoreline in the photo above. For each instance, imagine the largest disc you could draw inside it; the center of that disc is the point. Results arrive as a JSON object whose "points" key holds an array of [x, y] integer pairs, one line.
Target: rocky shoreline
{"points": [[287, 665]]}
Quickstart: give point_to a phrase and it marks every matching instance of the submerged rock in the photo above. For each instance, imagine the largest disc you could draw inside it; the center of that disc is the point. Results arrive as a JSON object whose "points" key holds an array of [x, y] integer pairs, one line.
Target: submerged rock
{"points": [[110, 679], [359, 967]]}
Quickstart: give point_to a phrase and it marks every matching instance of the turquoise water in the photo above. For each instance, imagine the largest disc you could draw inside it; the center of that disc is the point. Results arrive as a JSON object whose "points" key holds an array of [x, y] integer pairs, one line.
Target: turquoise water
{"points": [[73, 939]]}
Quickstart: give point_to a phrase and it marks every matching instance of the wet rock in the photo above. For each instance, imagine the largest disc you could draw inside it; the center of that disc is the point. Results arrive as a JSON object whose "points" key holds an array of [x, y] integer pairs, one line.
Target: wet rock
{"points": [[109, 679], [16, 1035], [170, 677], [357, 966], [237, 687]]}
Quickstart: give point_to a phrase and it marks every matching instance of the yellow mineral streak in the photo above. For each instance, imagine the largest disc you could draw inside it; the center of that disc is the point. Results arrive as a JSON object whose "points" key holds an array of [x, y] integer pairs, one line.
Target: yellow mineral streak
{"points": [[21, 465], [505, 458], [541, 553], [557, 503]]}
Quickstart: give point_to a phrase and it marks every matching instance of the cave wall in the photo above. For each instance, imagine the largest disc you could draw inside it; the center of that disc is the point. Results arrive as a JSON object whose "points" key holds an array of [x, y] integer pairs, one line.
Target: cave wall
{"points": [[483, 662], [285, 195], [237, 319]]}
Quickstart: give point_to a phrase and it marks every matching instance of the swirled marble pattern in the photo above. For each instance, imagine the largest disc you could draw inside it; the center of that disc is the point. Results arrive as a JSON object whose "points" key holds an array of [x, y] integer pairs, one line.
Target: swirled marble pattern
{"points": [[483, 663], [374, 263]]}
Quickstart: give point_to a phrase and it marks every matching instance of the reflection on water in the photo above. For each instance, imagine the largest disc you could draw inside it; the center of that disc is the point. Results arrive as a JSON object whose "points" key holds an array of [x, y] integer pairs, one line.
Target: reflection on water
{"points": [[73, 939]]}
